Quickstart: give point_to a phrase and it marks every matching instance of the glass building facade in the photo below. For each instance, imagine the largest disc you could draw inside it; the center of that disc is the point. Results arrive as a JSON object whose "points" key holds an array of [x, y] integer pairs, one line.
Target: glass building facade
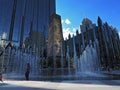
{"points": [[36, 11]]}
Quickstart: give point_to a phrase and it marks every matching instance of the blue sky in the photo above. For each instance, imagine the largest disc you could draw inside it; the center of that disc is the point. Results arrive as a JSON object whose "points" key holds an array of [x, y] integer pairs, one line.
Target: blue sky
{"points": [[73, 12]]}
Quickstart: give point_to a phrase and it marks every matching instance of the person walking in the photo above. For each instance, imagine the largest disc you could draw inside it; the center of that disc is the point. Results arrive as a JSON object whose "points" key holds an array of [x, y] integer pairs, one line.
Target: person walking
{"points": [[1, 77], [27, 72]]}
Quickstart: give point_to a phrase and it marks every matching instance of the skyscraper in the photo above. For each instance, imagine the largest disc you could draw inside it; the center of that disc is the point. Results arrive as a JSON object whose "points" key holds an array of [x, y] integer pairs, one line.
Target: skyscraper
{"points": [[36, 15]]}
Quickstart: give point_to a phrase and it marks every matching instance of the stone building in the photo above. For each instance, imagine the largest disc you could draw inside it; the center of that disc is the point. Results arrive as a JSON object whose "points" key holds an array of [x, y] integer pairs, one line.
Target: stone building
{"points": [[55, 35], [108, 41]]}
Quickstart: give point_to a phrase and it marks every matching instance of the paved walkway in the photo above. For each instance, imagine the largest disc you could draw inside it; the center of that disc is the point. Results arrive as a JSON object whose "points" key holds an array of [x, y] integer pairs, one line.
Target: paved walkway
{"points": [[61, 85], [87, 75], [98, 84], [117, 72]]}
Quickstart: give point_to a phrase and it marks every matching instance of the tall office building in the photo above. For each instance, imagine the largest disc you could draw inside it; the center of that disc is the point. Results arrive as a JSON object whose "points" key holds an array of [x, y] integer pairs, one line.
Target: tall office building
{"points": [[41, 12], [46, 9], [18, 17], [39, 23]]}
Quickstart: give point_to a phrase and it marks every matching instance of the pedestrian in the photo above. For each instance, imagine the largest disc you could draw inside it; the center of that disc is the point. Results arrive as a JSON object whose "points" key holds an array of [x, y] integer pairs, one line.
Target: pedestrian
{"points": [[1, 77], [108, 68], [27, 72]]}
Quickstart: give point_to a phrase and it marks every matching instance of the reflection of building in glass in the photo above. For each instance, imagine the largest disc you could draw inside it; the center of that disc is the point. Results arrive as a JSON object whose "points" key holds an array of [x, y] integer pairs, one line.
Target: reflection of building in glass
{"points": [[3, 40], [31, 43], [18, 17]]}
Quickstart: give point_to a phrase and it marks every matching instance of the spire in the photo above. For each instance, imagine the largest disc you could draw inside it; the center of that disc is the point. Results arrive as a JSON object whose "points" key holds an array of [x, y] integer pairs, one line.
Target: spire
{"points": [[99, 21], [31, 23], [23, 24], [69, 36], [12, 20], [106, 24], [77, 32]]}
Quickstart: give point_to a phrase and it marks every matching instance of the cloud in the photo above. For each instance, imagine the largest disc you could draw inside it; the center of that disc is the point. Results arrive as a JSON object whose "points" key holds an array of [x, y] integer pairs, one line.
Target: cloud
{"points": [[67, 21], [119, 34], [62, 21], [67, 31]]}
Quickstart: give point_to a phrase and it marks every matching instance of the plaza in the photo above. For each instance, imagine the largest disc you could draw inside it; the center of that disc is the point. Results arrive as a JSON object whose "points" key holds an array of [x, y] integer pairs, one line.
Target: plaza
{"points": [[61, 85], [111, 82], [44, 60]]}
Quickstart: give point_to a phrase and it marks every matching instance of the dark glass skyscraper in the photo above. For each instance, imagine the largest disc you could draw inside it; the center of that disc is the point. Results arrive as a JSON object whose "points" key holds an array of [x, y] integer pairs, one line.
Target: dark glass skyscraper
{"points": [[29, 15], [47, 8]]}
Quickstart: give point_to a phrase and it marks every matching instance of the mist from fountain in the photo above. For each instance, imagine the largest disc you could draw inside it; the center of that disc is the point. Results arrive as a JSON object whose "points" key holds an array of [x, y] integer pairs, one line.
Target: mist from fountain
{"points": [[68, 58], [54, 58], [88, 60], [75, 56], [88, 63], [62, 62], [84, 66], [16, 66]]}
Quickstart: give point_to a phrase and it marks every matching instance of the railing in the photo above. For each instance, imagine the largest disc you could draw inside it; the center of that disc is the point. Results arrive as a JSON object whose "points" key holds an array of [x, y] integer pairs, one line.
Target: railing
{"points": [[4, 57]]}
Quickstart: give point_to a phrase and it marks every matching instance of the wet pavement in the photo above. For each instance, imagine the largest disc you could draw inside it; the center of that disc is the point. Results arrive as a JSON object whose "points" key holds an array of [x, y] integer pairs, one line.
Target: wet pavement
{"points": [[106, 81], [61, 85]]}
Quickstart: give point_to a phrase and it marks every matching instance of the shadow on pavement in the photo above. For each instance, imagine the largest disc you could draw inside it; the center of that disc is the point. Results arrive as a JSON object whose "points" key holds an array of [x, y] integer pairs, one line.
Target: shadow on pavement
{"points": [[5, 86]]}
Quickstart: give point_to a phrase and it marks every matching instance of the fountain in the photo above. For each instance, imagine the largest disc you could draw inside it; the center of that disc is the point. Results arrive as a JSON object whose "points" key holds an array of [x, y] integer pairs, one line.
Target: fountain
{"points": [[62, 62], [85, 66], [75, 56], [88, 65], [54, 58], [17, 60], [68, 58]]}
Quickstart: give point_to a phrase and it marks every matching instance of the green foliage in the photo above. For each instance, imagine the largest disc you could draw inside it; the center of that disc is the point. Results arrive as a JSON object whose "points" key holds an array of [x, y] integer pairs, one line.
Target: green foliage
{"points": [[50, 62]]}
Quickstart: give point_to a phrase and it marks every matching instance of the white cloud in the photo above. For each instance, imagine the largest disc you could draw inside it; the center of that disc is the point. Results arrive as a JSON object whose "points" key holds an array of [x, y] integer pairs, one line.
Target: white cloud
{"points": [[67, 21], [67, 31], [62, 21]]}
